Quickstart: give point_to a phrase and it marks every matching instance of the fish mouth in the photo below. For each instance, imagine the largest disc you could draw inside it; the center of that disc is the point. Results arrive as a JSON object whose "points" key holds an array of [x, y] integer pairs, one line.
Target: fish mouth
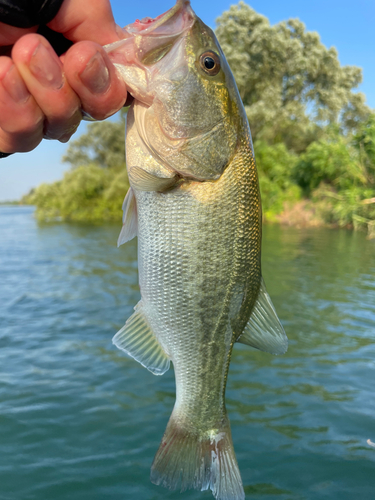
{"points": [[172, 22], [148, 40]]}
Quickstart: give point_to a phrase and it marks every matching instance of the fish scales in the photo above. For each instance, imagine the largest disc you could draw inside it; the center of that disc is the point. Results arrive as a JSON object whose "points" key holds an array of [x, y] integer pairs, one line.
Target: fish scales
{"points": [[194, 327], [194, 204]]}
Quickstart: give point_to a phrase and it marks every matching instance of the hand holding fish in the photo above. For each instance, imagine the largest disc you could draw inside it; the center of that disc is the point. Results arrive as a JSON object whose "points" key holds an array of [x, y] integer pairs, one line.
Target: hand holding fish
{"points": [[42, 95]]}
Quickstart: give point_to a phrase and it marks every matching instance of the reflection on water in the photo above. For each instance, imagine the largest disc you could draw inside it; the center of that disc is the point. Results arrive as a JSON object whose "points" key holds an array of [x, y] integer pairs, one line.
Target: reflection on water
{"points": [[81, 421]]}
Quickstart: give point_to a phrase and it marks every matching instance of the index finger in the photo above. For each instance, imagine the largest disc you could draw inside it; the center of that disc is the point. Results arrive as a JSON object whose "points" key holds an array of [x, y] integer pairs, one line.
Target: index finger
{"points": [[93, 77]]}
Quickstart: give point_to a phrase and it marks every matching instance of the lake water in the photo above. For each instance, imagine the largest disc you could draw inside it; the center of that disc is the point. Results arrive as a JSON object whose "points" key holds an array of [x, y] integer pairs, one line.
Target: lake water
{"points": [[81, 421]]}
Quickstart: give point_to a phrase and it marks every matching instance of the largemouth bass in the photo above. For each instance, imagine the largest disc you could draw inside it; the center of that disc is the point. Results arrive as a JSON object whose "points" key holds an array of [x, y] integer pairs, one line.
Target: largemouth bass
{"points": [[194, 204]]}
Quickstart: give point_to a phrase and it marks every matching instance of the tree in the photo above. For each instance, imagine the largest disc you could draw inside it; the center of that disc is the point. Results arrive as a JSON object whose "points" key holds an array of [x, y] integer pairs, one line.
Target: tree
{"points": [[87, 193], [103, 144], [292, 86], [313, 135]]}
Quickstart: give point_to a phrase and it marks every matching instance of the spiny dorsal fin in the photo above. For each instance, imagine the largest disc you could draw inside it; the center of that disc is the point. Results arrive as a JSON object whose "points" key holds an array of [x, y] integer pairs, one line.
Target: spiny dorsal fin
{"points": [[129, 219], [144, 181], [264, 330], [138, 340]]}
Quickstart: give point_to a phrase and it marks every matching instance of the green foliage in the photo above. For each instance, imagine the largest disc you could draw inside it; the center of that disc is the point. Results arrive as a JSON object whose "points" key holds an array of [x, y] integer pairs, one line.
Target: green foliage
{"points": [[103, 144], [93, 191], [353, 207], [332, 160], [314, 136], [339, 175], [290, 83], [87, 193], [364, 141], [275, 164]]}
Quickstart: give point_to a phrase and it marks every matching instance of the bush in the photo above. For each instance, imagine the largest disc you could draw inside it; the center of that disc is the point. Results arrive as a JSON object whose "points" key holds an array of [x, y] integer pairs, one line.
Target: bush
{"points": [[354, 207], [87, 193], [275, 165], [333, 161]]}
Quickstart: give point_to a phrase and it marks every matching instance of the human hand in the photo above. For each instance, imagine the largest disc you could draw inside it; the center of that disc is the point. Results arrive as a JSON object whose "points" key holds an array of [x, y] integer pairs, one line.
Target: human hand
{"points": [[42, 95]]}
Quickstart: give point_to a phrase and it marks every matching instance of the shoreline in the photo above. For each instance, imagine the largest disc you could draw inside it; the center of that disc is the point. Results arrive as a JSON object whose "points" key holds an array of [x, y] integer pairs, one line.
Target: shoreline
{"points": [[302, 214]]}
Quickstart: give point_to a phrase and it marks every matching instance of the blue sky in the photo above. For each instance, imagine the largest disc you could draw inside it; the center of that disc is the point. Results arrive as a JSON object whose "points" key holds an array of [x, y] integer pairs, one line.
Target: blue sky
{"points": [[347, 25]]}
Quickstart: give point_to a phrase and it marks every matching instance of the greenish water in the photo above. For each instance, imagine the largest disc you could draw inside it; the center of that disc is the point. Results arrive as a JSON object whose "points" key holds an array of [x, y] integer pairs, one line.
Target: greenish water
{"points": [[80, 421]]}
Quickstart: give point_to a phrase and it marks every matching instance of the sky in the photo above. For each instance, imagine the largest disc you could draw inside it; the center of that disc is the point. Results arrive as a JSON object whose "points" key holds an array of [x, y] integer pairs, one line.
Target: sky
{"points": [[344, 24]]}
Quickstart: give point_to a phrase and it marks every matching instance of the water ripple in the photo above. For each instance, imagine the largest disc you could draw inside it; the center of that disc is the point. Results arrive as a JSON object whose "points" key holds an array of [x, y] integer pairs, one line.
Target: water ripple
{"points": [[81, 421]]}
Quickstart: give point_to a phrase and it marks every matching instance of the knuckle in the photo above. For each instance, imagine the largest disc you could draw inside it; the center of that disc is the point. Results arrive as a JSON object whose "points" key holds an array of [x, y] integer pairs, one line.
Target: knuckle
{"points": [[19, 142], [27, 123], [30, 125]]}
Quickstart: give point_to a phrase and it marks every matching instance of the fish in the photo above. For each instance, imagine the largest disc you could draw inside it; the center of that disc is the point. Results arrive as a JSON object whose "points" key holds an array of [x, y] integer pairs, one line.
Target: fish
{"points": [[194, 204]]}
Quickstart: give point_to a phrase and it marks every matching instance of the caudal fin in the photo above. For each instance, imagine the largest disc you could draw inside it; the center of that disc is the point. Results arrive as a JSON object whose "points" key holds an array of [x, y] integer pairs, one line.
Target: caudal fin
{"points": [[187, 459]]}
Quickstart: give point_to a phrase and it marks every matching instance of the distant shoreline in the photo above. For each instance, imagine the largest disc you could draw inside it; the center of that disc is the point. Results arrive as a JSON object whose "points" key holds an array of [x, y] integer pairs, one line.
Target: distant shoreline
{"points": [[302, 214]]}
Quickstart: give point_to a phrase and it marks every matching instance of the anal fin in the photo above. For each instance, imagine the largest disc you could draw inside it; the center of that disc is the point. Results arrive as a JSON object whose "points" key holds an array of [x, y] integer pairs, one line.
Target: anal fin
{"points": [[138, 340], [264, 330]]}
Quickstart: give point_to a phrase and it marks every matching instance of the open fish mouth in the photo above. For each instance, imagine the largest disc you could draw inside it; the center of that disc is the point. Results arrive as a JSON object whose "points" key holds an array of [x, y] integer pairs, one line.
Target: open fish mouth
{"points": [[148, 40], [172, 22]]}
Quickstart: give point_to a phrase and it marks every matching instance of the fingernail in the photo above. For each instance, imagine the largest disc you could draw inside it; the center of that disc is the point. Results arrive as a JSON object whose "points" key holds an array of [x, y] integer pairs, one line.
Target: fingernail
{"points": [[96, 75], [68, 133], [46, 68], [13, 84], [65, 138]]}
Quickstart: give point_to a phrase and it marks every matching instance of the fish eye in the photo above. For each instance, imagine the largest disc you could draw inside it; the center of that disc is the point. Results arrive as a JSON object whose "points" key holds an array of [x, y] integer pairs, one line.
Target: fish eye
{"points": [[210, 63]]}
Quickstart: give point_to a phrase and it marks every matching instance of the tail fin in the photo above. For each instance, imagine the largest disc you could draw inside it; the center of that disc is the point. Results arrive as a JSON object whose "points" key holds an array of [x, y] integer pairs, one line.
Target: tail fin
{"points": [[198, 461]]}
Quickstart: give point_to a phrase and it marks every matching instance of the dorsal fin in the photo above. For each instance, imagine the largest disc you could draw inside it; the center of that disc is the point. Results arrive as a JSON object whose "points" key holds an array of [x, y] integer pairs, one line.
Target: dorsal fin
{"points": [[129, 218], [138, 340], [264, 330]]}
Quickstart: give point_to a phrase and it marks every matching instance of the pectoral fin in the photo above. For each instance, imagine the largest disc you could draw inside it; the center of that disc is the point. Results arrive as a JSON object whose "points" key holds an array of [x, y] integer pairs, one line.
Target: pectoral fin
{"points": [[264, 330], [138, 340], [129, 219], [144, 181]]}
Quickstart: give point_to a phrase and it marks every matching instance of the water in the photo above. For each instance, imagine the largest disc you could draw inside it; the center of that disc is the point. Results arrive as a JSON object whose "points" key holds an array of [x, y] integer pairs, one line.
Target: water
{"points": [[80, 421]]}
